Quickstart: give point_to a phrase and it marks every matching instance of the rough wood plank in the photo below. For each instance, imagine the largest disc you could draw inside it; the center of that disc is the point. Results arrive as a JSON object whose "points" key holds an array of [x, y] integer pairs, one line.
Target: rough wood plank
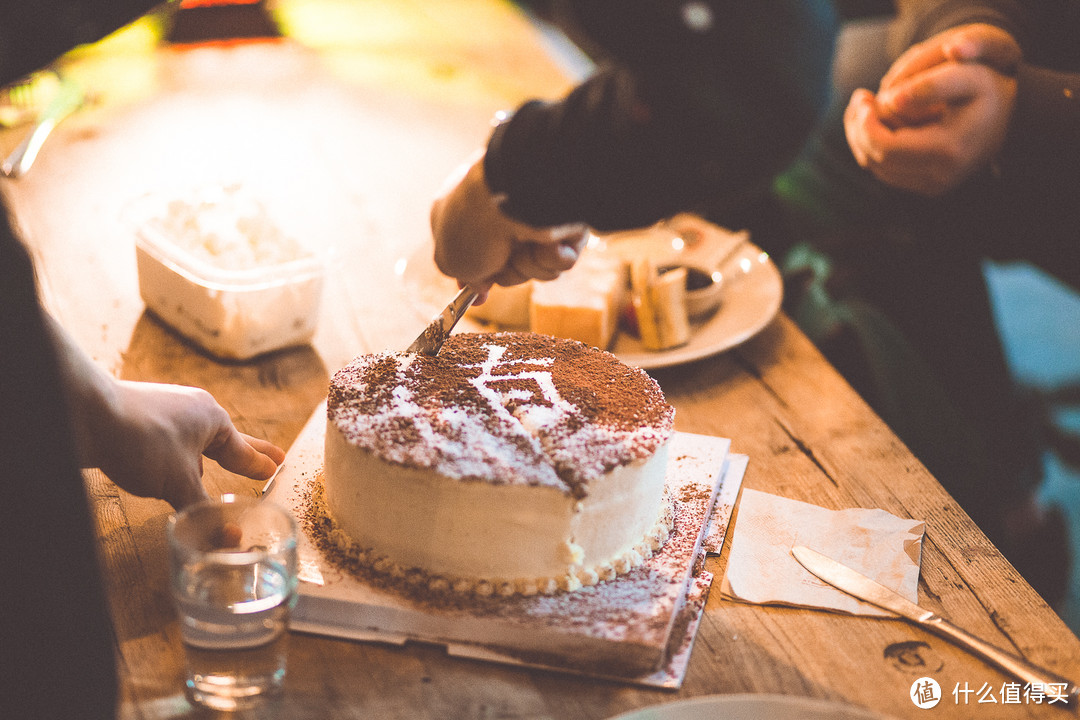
{"points": [[363, 121]]}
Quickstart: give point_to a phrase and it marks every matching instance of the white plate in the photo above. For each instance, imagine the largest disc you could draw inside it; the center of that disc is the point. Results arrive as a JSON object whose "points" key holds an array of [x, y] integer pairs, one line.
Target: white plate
{"points": [[752, 293], [752, 707], [753, 290]]}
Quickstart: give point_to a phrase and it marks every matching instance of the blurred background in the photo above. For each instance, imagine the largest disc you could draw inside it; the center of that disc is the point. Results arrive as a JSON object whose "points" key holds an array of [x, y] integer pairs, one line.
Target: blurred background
{"points": [[1038, 317]]}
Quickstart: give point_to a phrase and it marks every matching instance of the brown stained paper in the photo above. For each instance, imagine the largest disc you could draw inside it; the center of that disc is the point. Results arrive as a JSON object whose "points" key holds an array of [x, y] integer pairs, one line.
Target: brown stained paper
{"points": [[761, 568]]}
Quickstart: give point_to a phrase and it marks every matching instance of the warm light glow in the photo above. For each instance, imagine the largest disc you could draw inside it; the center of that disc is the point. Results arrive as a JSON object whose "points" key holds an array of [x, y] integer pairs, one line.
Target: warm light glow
{"points": [[206, 3]]}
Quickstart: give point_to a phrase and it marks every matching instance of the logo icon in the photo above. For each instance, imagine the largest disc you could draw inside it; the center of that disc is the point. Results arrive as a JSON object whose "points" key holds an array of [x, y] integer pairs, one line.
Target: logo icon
{"points": [[925, 693]]}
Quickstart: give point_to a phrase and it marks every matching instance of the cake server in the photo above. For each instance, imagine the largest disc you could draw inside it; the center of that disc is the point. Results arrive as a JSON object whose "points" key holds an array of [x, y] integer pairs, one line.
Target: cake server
{"points": [[855, 583], [431, 340]]}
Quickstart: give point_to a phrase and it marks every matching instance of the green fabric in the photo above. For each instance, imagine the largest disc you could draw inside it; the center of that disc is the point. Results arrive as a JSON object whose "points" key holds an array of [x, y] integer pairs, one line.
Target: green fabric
{"points": [[883, 366]]}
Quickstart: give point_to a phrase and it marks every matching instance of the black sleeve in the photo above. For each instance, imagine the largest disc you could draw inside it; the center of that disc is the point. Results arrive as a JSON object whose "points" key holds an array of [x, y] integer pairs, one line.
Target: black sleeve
{"points": [[918, 20], [1045, 131], [56, 652], [702, 102], [1044, 136], [33, 33]]}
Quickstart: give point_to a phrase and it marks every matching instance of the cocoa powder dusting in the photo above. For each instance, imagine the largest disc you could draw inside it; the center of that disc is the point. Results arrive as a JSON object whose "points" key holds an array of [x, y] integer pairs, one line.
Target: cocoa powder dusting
{"points": [[503, 407]]}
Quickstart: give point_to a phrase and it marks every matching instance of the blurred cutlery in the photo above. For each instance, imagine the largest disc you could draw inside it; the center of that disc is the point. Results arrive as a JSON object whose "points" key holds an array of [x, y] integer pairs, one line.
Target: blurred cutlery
{"points": [[69, 96]]}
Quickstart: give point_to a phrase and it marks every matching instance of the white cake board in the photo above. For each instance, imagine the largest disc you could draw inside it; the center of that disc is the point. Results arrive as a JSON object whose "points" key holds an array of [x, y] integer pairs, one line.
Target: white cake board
{"points": [[637, 628]]}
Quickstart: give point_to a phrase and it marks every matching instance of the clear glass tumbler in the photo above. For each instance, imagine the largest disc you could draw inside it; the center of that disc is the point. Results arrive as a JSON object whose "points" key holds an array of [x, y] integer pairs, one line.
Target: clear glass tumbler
{"points": [[233, 579]]}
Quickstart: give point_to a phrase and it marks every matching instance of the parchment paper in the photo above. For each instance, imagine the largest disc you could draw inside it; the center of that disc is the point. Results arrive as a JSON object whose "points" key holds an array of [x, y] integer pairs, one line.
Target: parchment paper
{"points": [[761, 568]]}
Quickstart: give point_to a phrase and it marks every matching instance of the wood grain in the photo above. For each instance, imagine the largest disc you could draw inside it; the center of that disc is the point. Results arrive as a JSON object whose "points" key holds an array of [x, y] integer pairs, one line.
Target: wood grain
{"points": [[349, 128]]}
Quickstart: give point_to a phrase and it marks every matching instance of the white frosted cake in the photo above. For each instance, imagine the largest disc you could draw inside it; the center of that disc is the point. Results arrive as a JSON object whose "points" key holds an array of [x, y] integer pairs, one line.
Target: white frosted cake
{"points": [[509, 463]]}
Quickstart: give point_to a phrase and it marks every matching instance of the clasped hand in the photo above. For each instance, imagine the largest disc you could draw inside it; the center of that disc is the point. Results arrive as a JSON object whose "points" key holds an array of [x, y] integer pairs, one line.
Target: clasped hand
{"points": [[941, 112]]}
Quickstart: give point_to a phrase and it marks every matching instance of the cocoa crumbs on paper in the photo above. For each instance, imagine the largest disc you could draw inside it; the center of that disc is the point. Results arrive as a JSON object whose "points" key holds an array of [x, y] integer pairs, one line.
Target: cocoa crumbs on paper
{"points": [[690, 492]]}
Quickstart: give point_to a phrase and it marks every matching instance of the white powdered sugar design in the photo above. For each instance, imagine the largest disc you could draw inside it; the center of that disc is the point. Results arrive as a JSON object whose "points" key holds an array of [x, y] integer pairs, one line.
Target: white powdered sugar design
{"points": [[532, 444]]}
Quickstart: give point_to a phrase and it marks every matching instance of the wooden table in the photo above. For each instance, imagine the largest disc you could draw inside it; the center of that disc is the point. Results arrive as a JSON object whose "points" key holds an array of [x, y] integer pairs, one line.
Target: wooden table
{"points": [[350, 128]]}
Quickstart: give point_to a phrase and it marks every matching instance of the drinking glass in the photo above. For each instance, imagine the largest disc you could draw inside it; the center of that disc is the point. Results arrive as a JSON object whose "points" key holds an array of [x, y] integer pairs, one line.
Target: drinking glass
{"points": [[233, 580]]}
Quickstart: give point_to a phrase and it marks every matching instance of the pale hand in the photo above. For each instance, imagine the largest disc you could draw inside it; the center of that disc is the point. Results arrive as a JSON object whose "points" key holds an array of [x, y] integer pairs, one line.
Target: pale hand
{"points": [[153, 438], [941, 114], [479, 245], [150, 438]]}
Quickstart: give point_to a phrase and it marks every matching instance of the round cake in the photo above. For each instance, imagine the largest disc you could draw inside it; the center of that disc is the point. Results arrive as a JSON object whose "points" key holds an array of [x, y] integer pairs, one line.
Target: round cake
{"points": [[508, 463]]}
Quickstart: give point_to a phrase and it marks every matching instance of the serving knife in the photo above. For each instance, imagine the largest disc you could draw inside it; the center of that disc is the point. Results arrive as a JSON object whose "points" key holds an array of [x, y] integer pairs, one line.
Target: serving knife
{"points": [[431, 340], [855, 583]]}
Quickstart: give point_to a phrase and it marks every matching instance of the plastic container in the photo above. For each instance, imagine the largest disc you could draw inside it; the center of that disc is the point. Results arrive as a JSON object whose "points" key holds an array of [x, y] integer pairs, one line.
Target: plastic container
{"points": [[235, 305]]}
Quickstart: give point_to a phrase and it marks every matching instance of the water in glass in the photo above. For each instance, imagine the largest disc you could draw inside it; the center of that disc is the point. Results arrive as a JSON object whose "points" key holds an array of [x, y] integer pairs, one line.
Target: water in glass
{"points": [[233, 622]]}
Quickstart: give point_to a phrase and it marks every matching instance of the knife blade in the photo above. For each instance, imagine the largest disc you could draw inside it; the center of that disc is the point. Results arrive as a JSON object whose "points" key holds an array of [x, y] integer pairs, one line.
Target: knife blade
{"points": [[858, 585], [434, 335]]}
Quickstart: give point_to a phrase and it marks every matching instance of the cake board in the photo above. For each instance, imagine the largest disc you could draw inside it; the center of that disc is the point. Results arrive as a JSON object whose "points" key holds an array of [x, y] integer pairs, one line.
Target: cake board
{"points": [[637, 628]]}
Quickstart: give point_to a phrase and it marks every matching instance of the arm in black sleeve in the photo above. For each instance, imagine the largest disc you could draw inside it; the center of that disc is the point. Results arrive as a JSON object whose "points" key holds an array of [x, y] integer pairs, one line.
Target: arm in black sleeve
{"points": [[703, 102], [1045, 129], [33, 33], [56, 653], [1044, 135]]}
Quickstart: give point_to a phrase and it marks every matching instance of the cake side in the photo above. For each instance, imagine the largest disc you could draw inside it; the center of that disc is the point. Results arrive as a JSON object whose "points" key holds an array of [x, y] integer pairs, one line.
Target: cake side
{"points": [[491, 539]]}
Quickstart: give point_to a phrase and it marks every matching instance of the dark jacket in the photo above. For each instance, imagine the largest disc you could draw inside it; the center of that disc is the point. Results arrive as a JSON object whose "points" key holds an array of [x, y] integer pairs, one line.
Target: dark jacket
{"points": [[56, 639], [891, 284], [694, 105]]}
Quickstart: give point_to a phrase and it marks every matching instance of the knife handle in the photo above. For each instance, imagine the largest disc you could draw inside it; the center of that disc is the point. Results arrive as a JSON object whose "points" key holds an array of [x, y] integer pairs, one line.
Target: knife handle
{"points": [[1006, 662]]}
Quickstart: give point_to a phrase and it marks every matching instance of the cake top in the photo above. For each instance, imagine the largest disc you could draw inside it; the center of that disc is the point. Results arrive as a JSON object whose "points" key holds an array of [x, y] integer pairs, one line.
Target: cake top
{"points": [[503, 407]]}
